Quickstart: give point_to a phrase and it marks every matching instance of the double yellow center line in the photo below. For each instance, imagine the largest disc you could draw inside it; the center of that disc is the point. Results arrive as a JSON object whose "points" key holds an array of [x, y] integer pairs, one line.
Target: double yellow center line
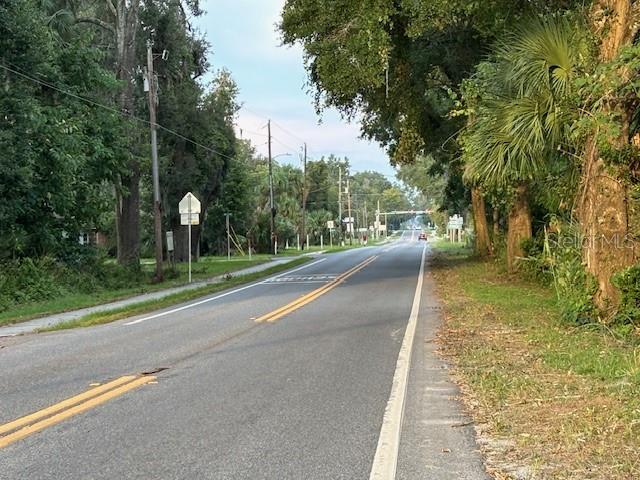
{"points": [[311, 296], [23, 427]]}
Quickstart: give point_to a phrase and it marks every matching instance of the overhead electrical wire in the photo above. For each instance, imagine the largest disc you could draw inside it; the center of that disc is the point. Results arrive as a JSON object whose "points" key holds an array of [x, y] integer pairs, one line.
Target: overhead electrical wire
{"points": [[111, 109]]}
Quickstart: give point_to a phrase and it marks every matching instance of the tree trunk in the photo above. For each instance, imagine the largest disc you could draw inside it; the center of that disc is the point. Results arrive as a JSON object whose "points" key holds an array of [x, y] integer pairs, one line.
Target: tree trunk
{"points": [[128, 218], [603, 208], [496, 224], [483, 243], [519, 226], [181, 242], [128, 186]]}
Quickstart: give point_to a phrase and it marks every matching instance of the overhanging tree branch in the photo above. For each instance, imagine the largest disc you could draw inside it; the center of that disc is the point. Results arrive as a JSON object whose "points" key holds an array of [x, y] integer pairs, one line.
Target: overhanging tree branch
{"points": [[97, 22], [112, 8]]}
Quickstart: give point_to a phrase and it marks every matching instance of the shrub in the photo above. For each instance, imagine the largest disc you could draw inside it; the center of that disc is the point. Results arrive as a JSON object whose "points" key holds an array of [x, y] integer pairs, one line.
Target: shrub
{"points": [[83, 270], [555, 257], [628, 282], [29, 280]]}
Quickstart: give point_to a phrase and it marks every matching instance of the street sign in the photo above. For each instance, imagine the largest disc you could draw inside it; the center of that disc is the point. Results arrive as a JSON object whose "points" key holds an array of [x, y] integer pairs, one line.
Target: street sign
{"points": [[186, 219], [455, 222], [189, 204], [347, 220], [170, 241], [189, 208], [330, 224]]}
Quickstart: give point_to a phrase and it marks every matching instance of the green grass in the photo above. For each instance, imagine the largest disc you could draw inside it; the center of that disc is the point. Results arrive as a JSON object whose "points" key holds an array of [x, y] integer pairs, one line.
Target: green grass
{"points": [[205, 268], [566, 397], [152, 305]]}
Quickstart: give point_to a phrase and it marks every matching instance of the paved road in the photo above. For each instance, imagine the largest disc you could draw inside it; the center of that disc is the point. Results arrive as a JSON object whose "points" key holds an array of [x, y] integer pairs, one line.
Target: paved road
{"points": [[239, 388]]}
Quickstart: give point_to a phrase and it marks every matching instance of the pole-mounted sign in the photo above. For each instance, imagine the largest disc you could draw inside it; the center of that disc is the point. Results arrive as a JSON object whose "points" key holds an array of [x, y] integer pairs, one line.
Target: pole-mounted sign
{"points": [[189, 208]]}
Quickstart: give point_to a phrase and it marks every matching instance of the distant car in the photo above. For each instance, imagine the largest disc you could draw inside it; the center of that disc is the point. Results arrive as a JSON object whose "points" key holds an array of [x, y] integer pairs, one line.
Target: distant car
{"points": [[422, 236]]}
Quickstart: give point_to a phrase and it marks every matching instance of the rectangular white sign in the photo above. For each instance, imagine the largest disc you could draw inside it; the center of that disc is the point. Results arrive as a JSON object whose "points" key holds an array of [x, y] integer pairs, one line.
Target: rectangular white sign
{"points": [[184, 219]]}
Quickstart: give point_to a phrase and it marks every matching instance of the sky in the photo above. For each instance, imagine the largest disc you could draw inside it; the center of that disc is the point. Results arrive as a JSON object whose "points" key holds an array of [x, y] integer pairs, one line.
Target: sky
{"points": [[272, 83]]}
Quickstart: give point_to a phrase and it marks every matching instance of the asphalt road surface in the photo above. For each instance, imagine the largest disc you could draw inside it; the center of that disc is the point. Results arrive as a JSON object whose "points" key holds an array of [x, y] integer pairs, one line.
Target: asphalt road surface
{"points": [[328, 371]]}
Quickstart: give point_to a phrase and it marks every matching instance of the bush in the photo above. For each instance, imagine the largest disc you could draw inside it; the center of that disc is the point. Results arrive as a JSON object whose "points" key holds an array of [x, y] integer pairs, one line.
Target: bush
{"points": [[83, 270], [555, 257], [29, 280], [628, 282], [536, 264]]}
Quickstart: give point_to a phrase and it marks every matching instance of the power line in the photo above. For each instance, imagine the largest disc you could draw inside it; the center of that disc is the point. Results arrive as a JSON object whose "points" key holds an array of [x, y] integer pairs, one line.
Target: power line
{"points": [[111, 109], [287, 131], [284, 144]]}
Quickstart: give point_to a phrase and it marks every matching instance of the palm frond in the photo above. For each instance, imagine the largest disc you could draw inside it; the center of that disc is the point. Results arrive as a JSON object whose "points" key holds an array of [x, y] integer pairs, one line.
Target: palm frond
{"points": [[522, 116]]}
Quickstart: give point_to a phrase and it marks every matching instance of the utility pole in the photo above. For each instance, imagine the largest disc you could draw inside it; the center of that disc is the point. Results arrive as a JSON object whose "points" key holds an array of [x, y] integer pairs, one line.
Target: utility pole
{"points": [[366, 215], [340, 202], [377, 226], [350, 219], [271, 203], [304, 194], [227, 215], [157, 213]]}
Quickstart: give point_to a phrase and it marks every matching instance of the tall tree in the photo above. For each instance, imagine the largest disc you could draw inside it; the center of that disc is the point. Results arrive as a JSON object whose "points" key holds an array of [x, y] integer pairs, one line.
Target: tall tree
{"points": [[520, 116], [57, 150], [604, 207]]}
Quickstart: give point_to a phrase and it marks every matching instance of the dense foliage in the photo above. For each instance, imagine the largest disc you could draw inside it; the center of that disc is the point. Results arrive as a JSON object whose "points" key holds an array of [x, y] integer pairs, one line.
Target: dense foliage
{"points": [[528, 107]]}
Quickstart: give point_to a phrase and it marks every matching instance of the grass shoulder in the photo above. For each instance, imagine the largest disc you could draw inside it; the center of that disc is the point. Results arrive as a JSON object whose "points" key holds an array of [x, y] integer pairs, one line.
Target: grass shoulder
{"points": [[73, 294], [108, 316], [552, 400]]}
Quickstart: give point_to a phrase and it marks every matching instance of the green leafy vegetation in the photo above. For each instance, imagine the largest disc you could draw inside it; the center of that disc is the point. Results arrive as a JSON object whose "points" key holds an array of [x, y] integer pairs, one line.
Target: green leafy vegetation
{"points": [[75, 164], [527, 108]]}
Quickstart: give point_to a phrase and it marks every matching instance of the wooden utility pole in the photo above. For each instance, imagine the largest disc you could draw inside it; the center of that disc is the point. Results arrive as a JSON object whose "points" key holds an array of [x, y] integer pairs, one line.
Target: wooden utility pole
{"points": [[157, 213], [227, 215], [377, 226], [350, 223], [340, 202], [271, 203], [304, 194]]}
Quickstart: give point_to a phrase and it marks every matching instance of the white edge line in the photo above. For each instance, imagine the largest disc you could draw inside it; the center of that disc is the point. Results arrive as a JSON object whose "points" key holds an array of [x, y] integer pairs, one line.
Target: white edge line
{"points": [[200, 302], [385, 460]]}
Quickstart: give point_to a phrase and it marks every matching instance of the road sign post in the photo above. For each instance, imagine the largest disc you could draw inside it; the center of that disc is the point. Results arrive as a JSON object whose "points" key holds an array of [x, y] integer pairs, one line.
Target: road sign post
{"points": [[189, 208]]}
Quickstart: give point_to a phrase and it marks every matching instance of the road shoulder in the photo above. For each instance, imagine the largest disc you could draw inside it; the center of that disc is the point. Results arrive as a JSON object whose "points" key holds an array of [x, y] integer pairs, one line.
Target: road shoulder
{"points": [[438, 438]]}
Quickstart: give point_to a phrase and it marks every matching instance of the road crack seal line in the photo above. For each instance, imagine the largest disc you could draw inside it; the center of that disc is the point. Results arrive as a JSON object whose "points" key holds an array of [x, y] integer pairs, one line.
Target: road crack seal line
{"points": [[24, 426]]}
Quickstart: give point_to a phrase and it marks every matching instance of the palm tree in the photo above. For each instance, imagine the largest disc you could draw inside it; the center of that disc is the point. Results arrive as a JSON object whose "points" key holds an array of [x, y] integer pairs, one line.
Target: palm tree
{"points": [[522, 114]]}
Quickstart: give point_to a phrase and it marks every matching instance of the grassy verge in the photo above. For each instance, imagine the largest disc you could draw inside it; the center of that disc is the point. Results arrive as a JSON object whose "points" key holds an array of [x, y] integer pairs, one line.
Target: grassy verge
{"points": [[552, 401], [206, 268], [180, 297], [338, 248]]}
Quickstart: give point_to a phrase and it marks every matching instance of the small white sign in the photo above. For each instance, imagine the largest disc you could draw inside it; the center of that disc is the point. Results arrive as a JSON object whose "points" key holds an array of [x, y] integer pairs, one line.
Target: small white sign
{"points": [[170, 241], [184, 219], [455, 222], [189, 204], [330, 224]]}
